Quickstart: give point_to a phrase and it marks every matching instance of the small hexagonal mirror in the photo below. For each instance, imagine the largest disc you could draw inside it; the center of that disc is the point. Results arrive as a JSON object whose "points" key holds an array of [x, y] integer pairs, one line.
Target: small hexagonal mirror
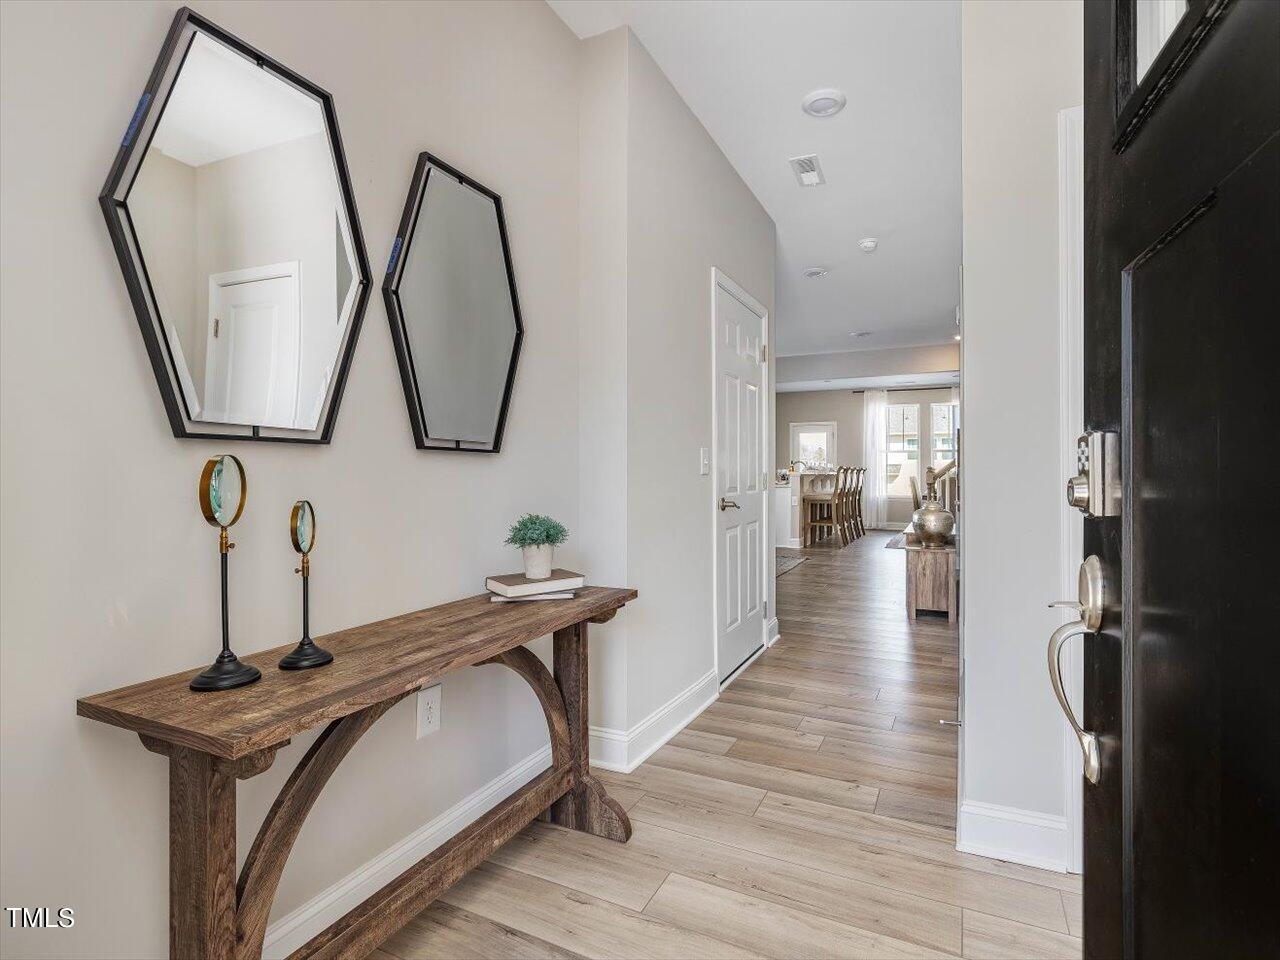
{"points": [[455, 318], [234, 222]]}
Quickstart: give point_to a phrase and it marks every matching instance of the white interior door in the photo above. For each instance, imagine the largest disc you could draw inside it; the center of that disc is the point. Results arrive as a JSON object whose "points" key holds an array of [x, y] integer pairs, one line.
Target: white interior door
{"points": [[254, 347], [739, 477]]}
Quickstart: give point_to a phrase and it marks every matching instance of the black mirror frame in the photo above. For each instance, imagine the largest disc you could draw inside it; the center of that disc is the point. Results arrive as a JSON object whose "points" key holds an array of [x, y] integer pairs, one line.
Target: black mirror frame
{"points": [[395, 314], [113, 200]]}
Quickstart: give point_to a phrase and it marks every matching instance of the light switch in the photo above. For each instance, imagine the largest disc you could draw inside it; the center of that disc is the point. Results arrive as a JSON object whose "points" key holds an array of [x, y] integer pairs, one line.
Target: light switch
{"points": [[704, 462]]}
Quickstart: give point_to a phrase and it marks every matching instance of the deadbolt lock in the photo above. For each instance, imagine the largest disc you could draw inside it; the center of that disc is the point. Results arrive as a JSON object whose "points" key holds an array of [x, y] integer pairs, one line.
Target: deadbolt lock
{"points": [[1095, 490]]}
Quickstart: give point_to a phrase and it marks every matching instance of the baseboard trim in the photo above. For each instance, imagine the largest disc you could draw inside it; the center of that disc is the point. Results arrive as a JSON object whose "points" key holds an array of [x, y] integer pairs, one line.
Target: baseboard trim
{"points": [[1013, 834], [771, 633], [624, 750], [294, 929]]}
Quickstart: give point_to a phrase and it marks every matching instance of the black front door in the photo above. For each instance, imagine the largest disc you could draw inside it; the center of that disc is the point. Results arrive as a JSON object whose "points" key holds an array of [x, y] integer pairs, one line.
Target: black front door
{"points": [[1182, 308]]}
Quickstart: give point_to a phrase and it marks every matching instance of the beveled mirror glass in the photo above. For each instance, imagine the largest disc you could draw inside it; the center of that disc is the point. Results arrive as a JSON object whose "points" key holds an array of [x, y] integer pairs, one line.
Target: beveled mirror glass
{"points": [[451, 298], [236, 228]]}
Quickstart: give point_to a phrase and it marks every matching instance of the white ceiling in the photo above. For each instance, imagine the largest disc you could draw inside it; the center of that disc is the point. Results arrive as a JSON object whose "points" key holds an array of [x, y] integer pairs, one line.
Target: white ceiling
{"points": [[223, 106], [891, 158]]}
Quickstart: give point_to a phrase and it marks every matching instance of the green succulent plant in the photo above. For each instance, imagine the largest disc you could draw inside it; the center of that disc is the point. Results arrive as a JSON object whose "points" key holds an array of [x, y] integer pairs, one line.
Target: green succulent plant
{"points": [[534, 530]]}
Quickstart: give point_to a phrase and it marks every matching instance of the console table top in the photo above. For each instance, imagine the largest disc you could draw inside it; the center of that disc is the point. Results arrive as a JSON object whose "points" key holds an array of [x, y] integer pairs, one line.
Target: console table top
{"points": [[371, 663]]}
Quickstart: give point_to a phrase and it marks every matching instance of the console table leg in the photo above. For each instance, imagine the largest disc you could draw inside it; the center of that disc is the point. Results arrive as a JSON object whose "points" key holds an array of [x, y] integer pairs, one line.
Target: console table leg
{"points": [[202, 856], [587, 806]]}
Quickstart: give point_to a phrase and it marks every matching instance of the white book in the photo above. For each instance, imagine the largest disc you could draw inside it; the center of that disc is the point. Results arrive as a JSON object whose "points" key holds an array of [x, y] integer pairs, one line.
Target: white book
{"points": [[518, 585], [532, 596]]}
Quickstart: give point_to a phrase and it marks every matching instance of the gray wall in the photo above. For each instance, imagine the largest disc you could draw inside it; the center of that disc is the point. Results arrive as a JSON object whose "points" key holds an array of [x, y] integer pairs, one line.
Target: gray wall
{"points": [[109, 574], [661, 206], [843, 407], [1023, 63]]}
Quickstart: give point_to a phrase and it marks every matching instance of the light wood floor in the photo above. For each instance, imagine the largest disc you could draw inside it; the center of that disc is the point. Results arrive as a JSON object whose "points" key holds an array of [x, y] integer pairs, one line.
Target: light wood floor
{"points": [[809, 812]]}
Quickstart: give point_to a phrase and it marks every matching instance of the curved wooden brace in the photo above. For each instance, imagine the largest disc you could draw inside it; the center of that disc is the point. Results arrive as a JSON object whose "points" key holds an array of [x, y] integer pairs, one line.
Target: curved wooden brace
{"points": [[523, 662], [260, 875]]}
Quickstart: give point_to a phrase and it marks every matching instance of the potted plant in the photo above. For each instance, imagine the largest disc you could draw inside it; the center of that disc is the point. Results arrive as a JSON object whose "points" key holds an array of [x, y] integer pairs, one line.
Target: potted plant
{"points": [[537, 536]]}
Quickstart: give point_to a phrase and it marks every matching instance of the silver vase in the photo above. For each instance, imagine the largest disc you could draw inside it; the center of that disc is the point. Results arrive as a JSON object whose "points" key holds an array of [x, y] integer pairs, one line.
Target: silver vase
{"points": [[933, 524]]}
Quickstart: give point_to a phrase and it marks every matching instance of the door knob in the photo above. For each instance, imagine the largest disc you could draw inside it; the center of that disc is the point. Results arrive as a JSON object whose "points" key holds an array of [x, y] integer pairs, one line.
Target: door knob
{"points": [[1089, 607], [728, 504]]}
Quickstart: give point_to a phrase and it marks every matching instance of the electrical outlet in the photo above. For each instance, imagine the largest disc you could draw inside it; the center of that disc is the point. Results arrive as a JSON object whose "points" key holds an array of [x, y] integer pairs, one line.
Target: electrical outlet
{"points": [[428, 704]]}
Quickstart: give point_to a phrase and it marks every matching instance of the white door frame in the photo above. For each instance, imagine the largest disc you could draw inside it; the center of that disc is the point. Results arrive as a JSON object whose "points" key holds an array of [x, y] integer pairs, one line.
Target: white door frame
{"points": [[722, 281], [1071, 426]]}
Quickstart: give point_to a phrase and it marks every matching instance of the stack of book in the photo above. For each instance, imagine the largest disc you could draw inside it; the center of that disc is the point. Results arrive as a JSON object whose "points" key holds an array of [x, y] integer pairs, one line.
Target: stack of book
{"points": [[517, 588]]}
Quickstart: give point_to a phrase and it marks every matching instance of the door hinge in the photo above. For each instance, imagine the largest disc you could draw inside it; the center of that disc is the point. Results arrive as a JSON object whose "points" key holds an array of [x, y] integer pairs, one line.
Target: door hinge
{"points": [[216, 324], [764, 353]]}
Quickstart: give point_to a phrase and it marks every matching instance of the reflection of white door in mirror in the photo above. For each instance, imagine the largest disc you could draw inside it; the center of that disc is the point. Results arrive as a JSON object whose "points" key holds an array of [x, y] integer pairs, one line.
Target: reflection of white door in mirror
{"points": [[254, 346]]}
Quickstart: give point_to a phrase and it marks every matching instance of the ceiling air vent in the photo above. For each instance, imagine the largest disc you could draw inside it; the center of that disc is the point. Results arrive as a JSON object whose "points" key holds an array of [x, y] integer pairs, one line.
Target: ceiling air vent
{"points": [[808, 171]]}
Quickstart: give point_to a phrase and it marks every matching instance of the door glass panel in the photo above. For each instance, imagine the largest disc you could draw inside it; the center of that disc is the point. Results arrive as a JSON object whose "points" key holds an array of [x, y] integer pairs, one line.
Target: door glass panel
{"points": [[1153, 23]]}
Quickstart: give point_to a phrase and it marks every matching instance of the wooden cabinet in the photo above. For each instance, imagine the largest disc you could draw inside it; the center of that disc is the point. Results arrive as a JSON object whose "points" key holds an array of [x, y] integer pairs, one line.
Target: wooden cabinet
{"points": [[931, 580]]}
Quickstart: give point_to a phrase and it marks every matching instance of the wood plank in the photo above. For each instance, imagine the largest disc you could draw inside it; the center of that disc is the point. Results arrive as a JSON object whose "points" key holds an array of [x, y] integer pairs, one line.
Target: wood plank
{"points": [[922, 840], [995, 938], [1000, 896], [841, 793], [889, 739], [868, 714], [726, 707], [711, 792], [942, 766], [917, 807], [446, 932], [839, 768], [700, 740], [575, 921], [867, 906], [593, 864], [769, 927], [371, 663], [762, 733], [1073, 906]]}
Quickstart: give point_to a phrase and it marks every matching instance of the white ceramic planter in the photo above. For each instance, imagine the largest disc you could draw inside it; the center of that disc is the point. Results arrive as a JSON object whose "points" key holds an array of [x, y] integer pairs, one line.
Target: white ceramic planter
{"points": [[537, 561]]}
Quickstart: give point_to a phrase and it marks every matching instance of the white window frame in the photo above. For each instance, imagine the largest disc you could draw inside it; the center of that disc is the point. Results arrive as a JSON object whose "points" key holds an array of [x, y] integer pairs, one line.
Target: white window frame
{"points": [[919, 449], [814, 426], [933, 457]]}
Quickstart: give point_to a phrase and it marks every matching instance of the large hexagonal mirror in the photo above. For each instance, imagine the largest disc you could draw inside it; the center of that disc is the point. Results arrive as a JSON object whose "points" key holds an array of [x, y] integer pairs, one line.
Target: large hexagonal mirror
{"points": [[451, 299], [233, 218]]}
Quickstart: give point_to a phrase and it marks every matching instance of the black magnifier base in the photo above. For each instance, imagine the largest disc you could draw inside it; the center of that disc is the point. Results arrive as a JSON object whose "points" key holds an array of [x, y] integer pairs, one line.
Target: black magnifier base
{"points": [[226, 673], [305, 656]]}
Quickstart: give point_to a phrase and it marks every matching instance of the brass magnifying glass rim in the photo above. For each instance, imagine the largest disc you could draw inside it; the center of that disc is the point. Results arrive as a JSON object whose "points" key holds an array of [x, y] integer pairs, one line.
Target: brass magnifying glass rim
{"points": [[206, 482], [295, 518]]}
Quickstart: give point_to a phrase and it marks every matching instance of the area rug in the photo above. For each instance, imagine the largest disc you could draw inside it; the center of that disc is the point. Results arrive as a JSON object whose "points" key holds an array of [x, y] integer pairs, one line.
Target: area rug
{"points": [[785, 562]]}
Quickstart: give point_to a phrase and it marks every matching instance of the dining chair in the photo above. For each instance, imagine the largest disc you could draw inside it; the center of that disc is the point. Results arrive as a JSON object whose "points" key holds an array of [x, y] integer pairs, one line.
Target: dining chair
{"points": [[859, 525]]}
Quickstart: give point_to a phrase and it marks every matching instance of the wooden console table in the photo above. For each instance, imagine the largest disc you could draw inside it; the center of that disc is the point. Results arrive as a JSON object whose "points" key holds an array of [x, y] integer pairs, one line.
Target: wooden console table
{"points": [[214, 739]]}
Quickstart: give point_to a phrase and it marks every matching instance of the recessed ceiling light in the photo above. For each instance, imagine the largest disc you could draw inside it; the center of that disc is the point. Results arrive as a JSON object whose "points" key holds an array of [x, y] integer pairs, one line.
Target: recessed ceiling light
{"points": [[861, 333], [868, 244], [813, 273], [823, 103]]}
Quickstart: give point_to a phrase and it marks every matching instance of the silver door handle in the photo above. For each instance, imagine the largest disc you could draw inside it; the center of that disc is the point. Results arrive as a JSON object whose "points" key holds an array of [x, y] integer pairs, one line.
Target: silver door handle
{"points": [[728, 504], [1089, 607]]}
